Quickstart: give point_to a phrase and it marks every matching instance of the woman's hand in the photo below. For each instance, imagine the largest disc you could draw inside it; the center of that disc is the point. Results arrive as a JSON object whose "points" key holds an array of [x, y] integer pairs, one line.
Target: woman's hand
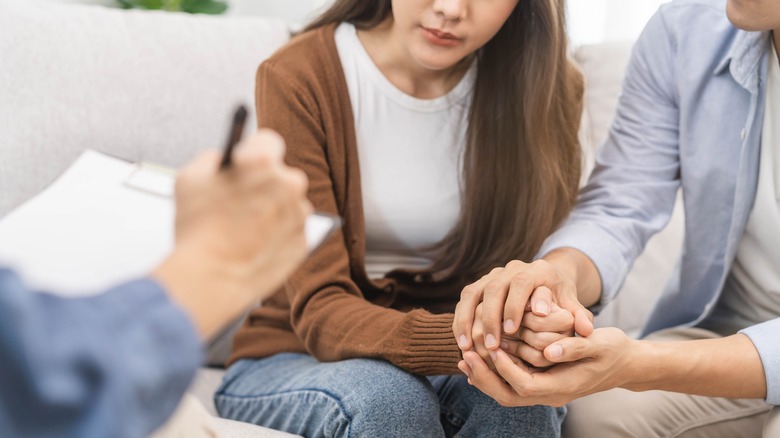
{"points": [[478, 333], [537, 332]]}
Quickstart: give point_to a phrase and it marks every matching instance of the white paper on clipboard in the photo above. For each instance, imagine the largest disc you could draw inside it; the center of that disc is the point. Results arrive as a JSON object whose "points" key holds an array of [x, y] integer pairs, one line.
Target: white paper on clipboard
{"points": [[104, 221]]}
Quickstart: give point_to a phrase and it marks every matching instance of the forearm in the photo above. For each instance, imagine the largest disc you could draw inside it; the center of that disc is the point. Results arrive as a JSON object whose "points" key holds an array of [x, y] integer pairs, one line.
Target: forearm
{"points": [[578, 266], [725, 367]]}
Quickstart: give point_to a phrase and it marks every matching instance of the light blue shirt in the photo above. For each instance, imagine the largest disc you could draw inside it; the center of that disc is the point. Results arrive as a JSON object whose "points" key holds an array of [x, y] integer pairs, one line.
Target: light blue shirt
{"points": [[690, 117], [113, 365]]}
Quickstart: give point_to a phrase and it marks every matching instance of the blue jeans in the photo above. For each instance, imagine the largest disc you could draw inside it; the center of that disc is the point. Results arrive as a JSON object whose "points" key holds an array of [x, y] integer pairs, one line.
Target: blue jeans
{"points": [[369, 398]]}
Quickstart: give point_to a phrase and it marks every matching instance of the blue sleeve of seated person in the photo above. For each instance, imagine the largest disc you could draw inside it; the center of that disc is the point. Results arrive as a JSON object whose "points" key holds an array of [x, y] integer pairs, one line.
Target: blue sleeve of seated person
{"points": [[114, 365]]}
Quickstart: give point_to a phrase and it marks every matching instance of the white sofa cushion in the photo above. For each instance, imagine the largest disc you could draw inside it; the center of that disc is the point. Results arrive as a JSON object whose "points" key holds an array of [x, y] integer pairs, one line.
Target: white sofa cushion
{"points": [[153, 86]]}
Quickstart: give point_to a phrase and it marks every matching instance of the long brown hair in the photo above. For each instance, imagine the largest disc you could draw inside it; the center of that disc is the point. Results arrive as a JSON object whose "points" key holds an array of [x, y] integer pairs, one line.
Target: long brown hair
{"points": [[522, 162]]}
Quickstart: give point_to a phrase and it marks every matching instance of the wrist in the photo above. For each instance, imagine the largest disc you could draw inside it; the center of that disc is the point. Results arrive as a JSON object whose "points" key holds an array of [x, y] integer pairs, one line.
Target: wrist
{"points": [[643, 366], [580, 270], [564, 262], [212, 292]]}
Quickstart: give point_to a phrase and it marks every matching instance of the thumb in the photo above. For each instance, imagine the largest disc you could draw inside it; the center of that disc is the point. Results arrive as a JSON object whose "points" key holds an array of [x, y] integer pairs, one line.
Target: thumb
{"points": [[568, 350]]}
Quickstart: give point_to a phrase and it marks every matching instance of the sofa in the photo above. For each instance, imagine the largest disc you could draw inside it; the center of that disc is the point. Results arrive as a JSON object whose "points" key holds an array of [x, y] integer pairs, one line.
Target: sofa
{"points": [[160, 87]]}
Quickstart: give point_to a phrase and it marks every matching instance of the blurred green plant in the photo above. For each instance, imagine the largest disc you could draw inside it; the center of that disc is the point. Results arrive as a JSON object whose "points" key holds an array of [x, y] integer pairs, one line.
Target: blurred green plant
{"points": [[191, 6]]}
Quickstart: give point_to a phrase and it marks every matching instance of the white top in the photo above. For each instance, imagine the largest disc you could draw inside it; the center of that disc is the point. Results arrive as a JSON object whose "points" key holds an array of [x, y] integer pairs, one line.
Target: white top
{"points": [[752, 292], [410, 153]]}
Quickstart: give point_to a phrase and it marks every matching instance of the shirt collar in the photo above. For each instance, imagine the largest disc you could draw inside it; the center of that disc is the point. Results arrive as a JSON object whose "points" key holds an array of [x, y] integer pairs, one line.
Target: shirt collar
{"points": [[744, 57]]}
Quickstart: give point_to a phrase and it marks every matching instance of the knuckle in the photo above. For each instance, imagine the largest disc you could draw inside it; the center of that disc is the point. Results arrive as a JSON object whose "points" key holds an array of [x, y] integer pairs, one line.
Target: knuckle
{"points": [[541, 264], [493, 288], [516, 264], [521, 278], [468, 292]]}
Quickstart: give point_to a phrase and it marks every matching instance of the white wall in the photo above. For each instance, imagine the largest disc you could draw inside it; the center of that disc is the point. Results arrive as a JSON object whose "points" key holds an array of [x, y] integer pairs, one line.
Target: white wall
{"points": [[596, 21], [296, 11]]}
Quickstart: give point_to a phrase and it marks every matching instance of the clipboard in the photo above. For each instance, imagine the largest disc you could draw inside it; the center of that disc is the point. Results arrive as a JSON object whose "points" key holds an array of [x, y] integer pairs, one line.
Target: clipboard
{"points": [[103, 222], [158, 180]]}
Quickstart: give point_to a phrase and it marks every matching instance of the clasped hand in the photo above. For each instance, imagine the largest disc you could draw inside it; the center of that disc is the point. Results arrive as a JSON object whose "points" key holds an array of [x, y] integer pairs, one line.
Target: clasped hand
{"points": [[537, 360]]}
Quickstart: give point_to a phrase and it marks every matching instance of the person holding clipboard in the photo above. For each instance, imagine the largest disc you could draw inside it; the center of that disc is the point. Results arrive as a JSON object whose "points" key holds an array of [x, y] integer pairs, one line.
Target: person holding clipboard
{"points": [[117, 364]]}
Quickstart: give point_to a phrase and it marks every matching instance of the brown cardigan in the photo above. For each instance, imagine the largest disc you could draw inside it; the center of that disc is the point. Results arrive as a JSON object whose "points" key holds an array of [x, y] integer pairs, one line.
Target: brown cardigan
{"points": [[329, 308]]}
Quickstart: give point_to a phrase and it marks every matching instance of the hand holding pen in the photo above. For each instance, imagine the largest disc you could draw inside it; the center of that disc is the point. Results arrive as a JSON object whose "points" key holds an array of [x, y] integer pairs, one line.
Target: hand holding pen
{"points": [[319, 225]]}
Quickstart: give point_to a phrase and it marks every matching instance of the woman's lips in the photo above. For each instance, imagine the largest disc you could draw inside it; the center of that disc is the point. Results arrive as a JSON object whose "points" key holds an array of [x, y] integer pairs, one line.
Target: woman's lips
{"points": [[439, 38]]}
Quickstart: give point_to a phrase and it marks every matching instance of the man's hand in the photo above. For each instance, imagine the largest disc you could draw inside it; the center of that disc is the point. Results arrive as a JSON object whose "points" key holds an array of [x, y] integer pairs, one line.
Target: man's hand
{"points": [[505, 293], [239, 233], [604, 360]]}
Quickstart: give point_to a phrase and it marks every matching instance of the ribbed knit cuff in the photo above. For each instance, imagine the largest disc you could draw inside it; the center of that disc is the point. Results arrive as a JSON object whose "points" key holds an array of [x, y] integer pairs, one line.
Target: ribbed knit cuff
{"points": [[432, 346]]}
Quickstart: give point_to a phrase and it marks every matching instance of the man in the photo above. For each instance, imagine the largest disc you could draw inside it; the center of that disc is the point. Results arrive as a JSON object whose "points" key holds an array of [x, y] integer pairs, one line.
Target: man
{"points": [[117, 364], [700, 111]]}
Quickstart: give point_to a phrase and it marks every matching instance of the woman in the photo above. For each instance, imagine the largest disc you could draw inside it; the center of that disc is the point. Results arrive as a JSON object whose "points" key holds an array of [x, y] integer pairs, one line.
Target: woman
{"points": [[444, 132]]}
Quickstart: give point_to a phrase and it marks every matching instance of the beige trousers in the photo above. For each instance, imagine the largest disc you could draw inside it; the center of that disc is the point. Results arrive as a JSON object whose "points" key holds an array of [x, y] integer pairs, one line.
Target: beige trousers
{"points": [[772, 425], [623, 413]]}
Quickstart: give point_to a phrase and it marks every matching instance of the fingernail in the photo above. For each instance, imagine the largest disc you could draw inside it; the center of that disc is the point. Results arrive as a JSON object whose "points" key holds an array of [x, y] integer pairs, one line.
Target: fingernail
{"points": [[556, 351], [509, 326], [493, 355], [505, 345], [490, 341], [462, 341], [542, 307]]}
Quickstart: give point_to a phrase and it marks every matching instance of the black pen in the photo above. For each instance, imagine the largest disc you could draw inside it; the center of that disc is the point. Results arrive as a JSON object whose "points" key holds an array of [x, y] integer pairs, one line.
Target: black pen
{"points": [[236, 130]]}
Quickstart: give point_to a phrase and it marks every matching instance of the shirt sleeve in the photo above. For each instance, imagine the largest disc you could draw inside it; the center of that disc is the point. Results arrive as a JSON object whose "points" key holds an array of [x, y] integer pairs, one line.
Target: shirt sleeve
{"points": [[111, 365], [766, 339], [630, 195]]}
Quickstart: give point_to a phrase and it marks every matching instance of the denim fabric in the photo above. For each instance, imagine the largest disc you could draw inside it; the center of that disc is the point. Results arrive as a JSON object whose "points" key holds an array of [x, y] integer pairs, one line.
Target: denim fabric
{"points": [[111, 365], [369, 398]]}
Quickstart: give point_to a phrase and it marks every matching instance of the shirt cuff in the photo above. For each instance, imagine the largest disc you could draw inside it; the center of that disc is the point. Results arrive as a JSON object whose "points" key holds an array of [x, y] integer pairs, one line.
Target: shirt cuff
{"points": [[600, 247], [766, 338]]}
